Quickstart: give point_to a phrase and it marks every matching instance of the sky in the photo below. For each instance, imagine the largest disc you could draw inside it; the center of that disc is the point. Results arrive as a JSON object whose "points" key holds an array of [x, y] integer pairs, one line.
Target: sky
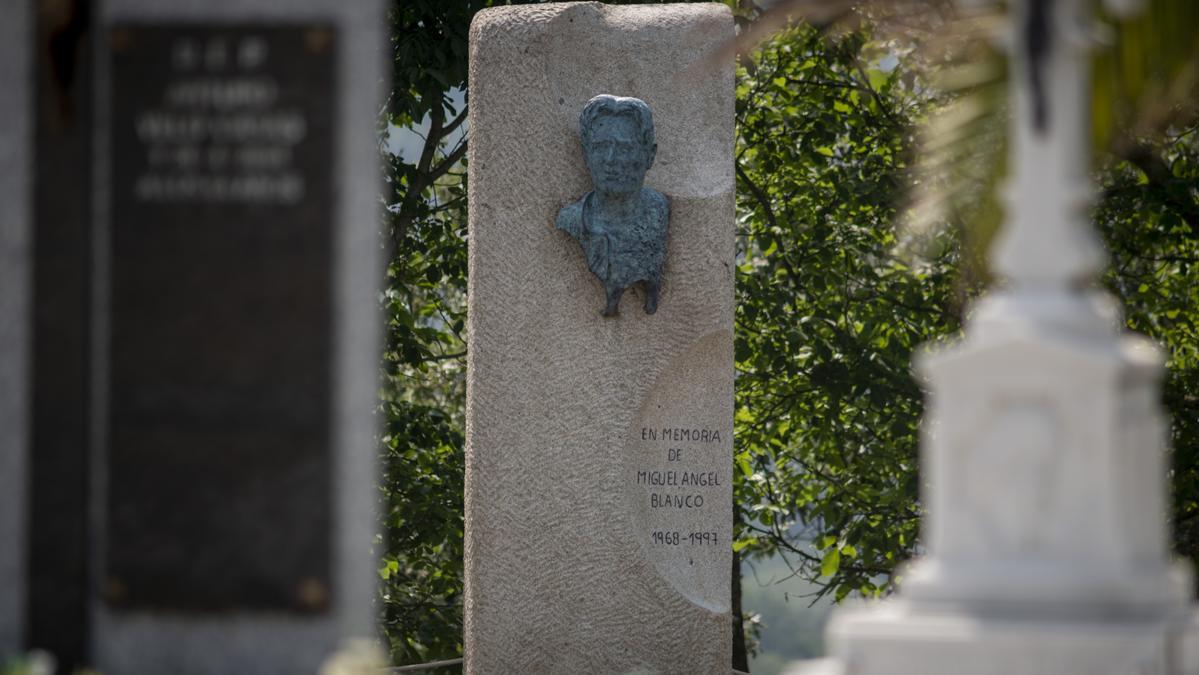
{"points": [[408, 143]]}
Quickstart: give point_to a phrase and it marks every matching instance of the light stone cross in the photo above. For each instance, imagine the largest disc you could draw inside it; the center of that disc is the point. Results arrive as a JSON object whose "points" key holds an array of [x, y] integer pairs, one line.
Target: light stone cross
{"points": [[1047, 241], [1043, 457]]}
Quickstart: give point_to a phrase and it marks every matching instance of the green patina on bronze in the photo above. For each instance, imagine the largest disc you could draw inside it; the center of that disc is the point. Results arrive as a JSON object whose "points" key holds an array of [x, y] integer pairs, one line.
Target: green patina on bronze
{"points": [[621, 224]]}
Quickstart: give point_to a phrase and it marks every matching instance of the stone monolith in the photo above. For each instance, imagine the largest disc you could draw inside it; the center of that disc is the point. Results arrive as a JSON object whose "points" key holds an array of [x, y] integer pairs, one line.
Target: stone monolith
{"points": [[236, 321], [599, 448]]}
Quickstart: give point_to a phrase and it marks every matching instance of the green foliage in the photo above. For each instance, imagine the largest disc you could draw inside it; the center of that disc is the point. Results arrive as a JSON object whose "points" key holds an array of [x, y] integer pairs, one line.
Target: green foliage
{"points": [[426, 209], [827, 315], [1149, 217], [421, 569], [422, 379]]}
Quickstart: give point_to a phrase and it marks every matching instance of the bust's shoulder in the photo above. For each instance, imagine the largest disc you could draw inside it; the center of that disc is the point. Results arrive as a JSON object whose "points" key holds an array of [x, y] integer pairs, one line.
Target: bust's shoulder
{"points": [[570, 218], [657, 201]]}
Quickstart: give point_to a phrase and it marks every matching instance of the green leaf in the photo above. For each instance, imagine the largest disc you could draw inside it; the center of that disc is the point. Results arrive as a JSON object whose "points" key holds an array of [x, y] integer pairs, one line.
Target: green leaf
{"points": [[830, 563]]}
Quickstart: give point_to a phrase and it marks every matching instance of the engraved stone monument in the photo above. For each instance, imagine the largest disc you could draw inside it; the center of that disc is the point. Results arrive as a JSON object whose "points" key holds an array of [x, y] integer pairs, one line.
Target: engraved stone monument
{"points": [[236, 333], [599, 445]]}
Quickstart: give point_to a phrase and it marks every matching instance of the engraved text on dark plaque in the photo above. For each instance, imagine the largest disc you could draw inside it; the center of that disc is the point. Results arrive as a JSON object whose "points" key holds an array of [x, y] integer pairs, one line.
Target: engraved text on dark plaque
{"points": [[218, 429]]}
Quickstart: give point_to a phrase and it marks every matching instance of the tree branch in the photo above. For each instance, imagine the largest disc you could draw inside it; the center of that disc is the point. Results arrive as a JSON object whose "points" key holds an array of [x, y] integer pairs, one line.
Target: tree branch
{"points": [[1160, 176]]}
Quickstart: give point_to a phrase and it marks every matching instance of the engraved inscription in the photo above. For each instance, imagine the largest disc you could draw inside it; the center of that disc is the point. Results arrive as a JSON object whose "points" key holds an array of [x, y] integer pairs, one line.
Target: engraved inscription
{"points": [[221, 157], [680, 471], [220, 132], [682, 485]]}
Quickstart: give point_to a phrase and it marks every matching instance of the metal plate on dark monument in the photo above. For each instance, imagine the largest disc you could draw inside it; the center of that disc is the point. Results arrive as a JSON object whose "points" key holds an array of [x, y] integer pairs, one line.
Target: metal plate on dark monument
{"points": [[219, 397]]}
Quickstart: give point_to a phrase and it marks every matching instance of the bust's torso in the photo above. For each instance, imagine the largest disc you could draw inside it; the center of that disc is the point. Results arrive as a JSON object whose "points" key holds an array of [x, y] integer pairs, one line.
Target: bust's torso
{"points": [[622, 251]]}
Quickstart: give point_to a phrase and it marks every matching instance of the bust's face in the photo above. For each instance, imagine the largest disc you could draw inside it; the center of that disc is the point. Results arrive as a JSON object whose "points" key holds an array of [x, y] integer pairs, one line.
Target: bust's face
{"points": [[616, 155]]}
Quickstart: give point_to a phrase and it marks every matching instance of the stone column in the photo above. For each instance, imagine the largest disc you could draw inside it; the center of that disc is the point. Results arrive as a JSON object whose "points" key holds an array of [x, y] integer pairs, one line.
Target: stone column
{"points": [[16, 169], [599, 448], [1046, 550]]}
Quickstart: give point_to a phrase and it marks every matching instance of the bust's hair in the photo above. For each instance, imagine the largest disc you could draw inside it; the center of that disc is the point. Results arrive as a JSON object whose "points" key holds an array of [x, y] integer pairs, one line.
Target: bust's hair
{"points": [[606, 104]]}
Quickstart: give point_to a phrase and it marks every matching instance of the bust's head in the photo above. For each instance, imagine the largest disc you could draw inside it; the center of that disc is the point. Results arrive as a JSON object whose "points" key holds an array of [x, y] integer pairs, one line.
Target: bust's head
{"points": [[618, 142]]}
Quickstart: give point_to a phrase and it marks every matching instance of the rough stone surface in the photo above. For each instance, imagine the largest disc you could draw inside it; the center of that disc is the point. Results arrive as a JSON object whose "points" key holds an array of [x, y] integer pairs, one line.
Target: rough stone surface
{"points": [[15, 292], [137, 642], [572, 417]]}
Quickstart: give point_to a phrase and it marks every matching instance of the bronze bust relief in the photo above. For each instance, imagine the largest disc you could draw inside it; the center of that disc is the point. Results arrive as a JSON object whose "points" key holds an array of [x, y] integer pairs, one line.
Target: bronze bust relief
{"points": [[621, 224]]}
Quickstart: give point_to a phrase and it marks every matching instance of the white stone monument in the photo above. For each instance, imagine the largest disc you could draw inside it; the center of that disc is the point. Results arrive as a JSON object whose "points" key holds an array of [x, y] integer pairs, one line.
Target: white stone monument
{"points": [[599, 448], [1046, 548]]}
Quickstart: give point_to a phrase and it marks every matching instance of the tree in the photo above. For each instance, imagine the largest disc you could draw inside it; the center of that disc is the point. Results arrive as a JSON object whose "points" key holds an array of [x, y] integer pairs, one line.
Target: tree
{"points": [[828, 312], [1146, 216], [422, 389]]}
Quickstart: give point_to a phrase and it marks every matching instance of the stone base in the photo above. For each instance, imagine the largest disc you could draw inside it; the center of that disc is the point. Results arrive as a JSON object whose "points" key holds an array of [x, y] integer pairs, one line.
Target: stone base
{"points": [[897, 638], [1051, 588]]}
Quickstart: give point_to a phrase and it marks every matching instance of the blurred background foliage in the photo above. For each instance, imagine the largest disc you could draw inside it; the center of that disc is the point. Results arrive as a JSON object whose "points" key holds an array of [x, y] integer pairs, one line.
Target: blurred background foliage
{"points": [[870, 146], [827, 313]]}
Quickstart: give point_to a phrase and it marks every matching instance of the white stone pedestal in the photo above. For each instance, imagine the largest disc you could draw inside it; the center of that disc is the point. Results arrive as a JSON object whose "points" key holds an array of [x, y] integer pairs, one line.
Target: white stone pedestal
{"points": [[1044, 459], [902, 639], [1045, 534]]}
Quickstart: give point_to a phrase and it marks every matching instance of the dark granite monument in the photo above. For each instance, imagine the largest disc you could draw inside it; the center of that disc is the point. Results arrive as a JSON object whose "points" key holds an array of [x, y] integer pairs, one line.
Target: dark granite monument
{"points": [[220, 317], [236, 335], [188, 357]]}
